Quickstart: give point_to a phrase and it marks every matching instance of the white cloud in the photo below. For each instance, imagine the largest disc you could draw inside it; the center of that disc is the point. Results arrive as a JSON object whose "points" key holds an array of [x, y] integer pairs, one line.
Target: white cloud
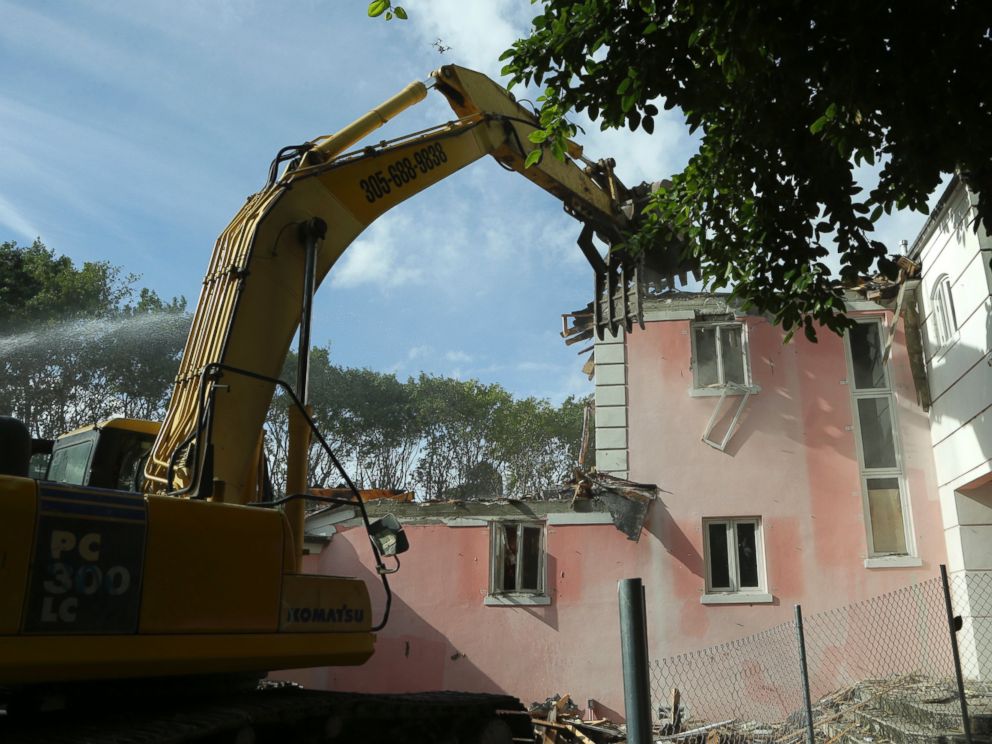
{"points": [[571, 383], [419, 352], [641, 156], [554, 382], [14, 219], [26, 133], [477, 32], [37, 32], [458, 356], [537, 366], [377, 259]]}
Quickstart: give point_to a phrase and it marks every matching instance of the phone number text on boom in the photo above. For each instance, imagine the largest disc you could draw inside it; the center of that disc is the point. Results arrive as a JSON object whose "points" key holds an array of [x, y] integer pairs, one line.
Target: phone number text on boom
{"points": [[402, 172]]}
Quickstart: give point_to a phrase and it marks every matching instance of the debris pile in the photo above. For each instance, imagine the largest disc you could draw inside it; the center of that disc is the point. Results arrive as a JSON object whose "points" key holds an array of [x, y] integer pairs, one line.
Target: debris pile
{"points": [[558, 720], [627, 502], [901, 708], [893, 273]]}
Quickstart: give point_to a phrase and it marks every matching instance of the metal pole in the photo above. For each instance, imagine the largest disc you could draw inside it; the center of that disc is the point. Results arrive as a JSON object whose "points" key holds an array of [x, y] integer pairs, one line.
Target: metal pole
{"points": [[634, 653], [965, 720], [311, 233], [804, 670]]}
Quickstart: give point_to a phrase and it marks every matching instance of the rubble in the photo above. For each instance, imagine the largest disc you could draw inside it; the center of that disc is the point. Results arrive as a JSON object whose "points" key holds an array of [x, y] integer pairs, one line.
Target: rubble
{"points": [[628, 502], [558, 720], [587, 491], [904, 708]]}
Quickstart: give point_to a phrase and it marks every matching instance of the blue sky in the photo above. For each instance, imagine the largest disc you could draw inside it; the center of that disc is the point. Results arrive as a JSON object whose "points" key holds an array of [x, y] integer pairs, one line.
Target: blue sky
{"points": [[132, 131]]}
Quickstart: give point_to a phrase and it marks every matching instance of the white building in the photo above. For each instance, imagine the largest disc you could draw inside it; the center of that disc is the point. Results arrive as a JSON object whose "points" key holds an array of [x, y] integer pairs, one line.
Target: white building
{"points": [[956, 312]]}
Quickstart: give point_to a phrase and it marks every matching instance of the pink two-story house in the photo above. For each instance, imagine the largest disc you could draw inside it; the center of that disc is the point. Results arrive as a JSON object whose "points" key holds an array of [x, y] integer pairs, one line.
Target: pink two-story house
{"points": [[786, 473]]}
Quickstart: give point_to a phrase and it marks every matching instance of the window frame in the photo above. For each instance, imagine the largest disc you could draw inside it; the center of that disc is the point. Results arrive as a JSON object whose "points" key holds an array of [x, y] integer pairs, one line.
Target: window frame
{"points": [[875, 558], [722, 388], [943, 317], [497, 547], [735, 593], [61, 457]]}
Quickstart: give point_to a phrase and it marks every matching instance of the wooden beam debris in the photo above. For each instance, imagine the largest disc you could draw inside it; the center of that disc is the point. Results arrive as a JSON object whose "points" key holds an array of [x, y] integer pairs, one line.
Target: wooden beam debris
{"points": [[628, 502], [696, 731], [559, 721]]}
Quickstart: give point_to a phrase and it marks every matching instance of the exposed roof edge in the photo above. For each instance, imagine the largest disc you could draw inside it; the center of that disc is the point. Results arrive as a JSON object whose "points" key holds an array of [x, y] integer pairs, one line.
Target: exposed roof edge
{"points": [[625, 501], [628, 502], [931, 224]]}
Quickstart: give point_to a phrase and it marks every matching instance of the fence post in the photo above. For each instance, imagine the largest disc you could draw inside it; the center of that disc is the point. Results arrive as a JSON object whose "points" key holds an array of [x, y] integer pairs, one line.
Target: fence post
{"points": [[965, 720], [804, 670], [634, 653]]}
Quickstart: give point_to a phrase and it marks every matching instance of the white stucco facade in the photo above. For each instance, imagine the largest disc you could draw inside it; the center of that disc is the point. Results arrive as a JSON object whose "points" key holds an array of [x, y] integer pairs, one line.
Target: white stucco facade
{"points": [[956, 312]]}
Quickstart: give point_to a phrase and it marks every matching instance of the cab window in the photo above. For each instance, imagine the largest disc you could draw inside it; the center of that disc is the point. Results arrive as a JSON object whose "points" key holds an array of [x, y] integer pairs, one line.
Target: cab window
{"points": [[69, 464]]}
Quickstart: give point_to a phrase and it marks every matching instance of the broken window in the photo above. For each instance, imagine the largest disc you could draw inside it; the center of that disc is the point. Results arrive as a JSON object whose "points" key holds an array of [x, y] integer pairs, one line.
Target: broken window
{"points": [[734, 559], [718, 355], [516, 558], [721, 426], [873, 407]]}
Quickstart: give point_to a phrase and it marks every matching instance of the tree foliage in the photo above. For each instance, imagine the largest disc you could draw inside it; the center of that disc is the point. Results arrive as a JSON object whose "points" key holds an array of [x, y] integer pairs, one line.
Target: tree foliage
{"points": [[386, 9], [790, 99], [365, 416], [38, 286], [444, 438], [79, 344]]}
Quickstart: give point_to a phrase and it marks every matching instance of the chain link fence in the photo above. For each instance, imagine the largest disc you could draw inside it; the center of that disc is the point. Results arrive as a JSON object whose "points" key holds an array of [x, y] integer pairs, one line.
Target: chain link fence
{"points": [[881, 670]]}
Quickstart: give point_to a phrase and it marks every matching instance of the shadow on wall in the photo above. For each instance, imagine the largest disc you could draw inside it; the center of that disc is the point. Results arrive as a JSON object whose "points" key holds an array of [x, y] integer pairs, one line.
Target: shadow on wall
{"points": [[960, 407], [664, 529], [821, 410], [791, 401], [410, 654], [548, 614]]}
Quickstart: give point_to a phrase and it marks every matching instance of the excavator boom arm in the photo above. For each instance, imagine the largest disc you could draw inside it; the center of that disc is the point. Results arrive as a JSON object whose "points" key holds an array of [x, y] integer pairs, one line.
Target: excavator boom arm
{"points": [[252, 295]]}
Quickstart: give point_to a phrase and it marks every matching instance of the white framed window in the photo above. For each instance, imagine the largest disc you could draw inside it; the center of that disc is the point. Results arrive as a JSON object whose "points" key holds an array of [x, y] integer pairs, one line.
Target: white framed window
{"points": [[943, 318], [517, 564], [883, 489], [735, 560], [719, 358], [887, 533]]}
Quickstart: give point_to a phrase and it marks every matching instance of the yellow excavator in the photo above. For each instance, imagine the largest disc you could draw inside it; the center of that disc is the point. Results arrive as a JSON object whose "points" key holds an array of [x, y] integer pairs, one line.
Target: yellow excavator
{"points": [[148, 575]]}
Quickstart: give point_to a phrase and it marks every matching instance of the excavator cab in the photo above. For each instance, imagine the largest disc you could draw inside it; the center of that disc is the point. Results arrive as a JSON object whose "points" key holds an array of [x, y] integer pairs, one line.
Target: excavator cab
{"points": [[110, 454]]}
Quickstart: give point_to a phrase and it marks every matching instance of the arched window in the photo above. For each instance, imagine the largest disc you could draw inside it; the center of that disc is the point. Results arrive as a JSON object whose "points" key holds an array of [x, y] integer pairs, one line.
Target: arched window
{"points": [[943, 320]]}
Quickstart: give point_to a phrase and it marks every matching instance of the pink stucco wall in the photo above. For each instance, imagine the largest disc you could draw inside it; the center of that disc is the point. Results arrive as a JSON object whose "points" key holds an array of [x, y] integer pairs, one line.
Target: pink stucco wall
{"points": [[442, 636], [792, 462]]}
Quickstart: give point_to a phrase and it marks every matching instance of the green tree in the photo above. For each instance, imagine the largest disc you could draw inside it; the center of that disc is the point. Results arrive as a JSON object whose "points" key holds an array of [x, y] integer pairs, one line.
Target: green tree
{"points": [[443, 437], [789, 98], [461, 424], [73, 349], [539, 444], [367, 418], [38, 286], [377, 415], [137, 358]]}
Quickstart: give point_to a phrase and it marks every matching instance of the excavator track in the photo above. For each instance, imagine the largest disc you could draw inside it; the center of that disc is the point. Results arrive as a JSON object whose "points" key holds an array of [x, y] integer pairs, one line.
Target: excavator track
{"points": [[282, 714]]}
